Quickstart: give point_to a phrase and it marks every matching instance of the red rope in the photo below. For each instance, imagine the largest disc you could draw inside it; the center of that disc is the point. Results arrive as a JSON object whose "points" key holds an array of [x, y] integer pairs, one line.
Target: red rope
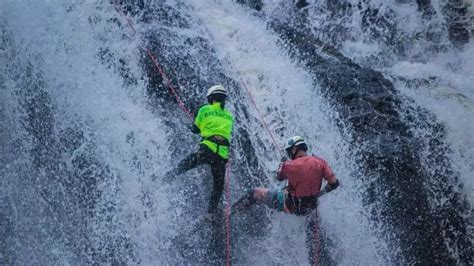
{"points": [[316, 240], [152, 57], [129, 21], [252, 99], [227, 215], [183, 107], [169, 84]]}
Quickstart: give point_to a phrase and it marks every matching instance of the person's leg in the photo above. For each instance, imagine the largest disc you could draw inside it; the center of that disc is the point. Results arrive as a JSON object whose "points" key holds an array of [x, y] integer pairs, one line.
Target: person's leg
{"points": [[188, 163], [244, 202], [266, 196], [218, 168], [313, 238]]}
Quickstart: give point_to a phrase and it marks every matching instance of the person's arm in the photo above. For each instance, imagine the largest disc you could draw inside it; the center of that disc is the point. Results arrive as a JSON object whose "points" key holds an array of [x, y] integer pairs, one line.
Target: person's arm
{"points": [[332, 184], [195, 127], [280, 174]]}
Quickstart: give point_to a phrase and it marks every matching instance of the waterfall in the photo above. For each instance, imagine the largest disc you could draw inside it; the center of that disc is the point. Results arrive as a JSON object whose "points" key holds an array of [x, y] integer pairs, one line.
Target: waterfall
{"points": [[382, 91]]}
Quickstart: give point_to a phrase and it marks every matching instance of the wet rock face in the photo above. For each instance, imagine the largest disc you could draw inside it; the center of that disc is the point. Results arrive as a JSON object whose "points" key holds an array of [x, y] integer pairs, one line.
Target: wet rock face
{"points": [[338, 19], [370, 106], [301, 4], [54, 173], [425, 7], [456, 13], [192, 67], [254, 4], [457, 17], [390, 160], [190, 64]]}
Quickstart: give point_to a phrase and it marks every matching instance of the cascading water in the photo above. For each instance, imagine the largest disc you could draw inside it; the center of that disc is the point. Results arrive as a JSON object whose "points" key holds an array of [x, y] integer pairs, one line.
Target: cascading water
{"points": [[87, 121]]}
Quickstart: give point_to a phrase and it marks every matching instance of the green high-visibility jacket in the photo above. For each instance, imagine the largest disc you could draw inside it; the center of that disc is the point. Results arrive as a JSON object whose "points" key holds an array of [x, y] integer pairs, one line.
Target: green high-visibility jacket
{"points": [[212, 120]]}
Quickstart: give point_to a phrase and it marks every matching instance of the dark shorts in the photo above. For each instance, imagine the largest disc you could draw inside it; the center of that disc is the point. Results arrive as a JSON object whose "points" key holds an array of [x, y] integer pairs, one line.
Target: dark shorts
{"points": [[281, 201]]}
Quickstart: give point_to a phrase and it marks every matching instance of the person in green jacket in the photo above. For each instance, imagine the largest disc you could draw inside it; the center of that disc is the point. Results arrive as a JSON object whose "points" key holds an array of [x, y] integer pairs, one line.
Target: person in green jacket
{"points": [[214, 123]]}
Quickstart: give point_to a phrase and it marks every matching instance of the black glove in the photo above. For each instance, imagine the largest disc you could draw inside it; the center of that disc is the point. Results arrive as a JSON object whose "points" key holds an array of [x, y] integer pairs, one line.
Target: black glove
{"points": [[328, 188]]}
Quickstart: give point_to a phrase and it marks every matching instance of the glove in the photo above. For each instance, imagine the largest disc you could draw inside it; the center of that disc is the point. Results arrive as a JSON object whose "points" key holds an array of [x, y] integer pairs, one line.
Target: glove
{"points": [[322, 192]]}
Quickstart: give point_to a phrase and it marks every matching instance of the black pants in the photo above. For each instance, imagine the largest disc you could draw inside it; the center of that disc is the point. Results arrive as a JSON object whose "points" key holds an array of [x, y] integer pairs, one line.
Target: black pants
{"points": [[313, 238], [301, 206], [218, 167]]}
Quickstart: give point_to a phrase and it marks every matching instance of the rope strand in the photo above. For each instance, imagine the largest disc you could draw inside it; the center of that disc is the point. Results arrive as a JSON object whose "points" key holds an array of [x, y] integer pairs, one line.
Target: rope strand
{"points": [[153, 59], [185, 110], [227, 214], [252, 99]]}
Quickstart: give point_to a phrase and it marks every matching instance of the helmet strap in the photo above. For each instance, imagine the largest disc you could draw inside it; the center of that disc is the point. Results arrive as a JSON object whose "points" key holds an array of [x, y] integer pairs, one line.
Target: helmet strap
{"points": [[290, 152], [211, 100]]}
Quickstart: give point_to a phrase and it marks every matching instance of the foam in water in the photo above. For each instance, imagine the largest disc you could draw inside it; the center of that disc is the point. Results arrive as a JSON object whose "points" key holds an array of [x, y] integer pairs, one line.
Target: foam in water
{"points": [[451, 99], [64, 44], [255, 57], [62, 41], [427, 66], [445, 76]]}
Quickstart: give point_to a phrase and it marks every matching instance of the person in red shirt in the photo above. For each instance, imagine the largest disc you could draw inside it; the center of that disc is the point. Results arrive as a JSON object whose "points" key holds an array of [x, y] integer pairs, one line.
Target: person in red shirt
{"points": [[305, 174]]}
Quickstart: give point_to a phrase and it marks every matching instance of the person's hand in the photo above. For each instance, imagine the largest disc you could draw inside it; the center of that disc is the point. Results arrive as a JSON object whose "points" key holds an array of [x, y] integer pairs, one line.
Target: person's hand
{"points": [[321, 193]]}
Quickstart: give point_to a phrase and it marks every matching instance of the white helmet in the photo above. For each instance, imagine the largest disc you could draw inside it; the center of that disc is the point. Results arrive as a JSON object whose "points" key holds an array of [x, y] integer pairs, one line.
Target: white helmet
{"points": [[295, 141], [216, 89]]}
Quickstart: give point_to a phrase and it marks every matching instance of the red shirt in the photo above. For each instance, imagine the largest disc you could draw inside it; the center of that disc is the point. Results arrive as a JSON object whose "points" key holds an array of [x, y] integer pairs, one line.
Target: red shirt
{"points": [[305, 175]]}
